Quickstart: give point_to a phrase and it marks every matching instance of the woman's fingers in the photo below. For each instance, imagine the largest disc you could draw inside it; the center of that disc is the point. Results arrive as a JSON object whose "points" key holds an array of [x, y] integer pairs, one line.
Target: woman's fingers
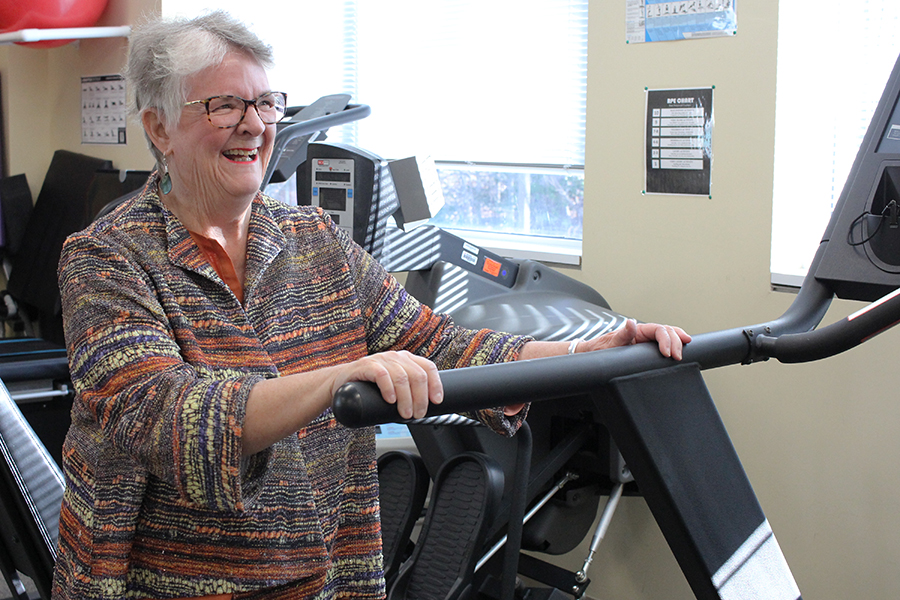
{"points": [[670, 340], [411, 379], [404, 379]]}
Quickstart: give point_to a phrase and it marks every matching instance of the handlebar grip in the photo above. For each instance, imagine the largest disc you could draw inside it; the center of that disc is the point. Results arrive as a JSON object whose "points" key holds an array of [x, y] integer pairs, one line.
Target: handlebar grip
{"points": [[359, 404], [837, 337]]}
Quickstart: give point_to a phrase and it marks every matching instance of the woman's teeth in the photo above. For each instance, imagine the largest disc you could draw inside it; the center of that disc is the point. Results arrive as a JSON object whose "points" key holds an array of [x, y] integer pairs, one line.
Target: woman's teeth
{"points": [[241, 155]]}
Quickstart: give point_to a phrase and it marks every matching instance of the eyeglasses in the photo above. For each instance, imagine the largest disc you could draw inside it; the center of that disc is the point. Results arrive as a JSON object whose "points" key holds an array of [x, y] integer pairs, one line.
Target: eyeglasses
{"points": [[226, 112]]}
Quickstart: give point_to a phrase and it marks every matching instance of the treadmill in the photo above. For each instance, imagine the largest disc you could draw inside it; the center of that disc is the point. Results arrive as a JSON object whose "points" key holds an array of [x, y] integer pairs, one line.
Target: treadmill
{"points": [[664, 435]]}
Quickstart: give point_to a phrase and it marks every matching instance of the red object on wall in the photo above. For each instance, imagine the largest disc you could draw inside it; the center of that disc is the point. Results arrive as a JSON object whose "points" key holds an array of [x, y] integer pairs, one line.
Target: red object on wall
{"points": [[49, 14]]}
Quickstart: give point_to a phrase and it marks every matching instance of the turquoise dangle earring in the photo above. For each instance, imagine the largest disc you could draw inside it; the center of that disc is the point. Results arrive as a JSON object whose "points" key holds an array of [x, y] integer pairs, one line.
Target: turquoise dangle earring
{"points": [[165, 181]]}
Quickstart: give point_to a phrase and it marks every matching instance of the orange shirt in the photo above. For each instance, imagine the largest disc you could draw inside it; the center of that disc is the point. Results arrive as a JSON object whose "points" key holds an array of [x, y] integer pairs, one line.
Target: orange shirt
{"points": [[221, 262]]}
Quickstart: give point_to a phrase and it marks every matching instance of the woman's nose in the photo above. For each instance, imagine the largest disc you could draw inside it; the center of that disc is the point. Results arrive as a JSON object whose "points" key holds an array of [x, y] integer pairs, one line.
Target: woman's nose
{"points": [[252, 121]]}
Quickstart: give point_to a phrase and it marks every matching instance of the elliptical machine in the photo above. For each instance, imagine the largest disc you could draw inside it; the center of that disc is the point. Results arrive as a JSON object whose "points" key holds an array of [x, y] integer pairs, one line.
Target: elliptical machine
{"points": [[563, 462], [662, 418]]}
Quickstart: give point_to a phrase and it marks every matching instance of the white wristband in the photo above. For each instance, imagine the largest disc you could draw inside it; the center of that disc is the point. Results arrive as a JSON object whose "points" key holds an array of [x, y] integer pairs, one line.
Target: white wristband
{"points": [[574, 344]]}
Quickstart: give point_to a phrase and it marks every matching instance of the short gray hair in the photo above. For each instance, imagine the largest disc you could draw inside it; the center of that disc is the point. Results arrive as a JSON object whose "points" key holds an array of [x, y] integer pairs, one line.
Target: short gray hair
{"points": [[164, 52]]}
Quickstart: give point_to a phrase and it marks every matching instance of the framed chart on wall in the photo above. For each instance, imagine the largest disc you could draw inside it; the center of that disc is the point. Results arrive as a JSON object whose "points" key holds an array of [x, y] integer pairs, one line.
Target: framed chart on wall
{"points": [[678, 141]]}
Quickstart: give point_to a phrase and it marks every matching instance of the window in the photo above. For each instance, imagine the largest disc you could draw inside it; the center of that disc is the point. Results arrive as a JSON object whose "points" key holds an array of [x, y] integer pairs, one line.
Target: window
{"points": [[493, 90], [833, 63]]}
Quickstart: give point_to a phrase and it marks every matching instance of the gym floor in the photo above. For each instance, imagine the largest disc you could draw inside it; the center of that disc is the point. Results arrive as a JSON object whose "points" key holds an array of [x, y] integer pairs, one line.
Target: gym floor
{"points": [[5, 594]]}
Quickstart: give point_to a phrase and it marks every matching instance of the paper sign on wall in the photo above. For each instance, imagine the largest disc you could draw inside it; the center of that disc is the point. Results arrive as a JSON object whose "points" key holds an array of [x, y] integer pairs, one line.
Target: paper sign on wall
{"points": [[678, 141], [103, 110], [666, 20]]}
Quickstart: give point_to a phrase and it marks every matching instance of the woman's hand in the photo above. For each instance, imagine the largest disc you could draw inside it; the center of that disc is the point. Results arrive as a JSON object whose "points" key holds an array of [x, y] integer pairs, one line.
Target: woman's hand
{"points": [[409, 381], [671, 340], [282, 405]]}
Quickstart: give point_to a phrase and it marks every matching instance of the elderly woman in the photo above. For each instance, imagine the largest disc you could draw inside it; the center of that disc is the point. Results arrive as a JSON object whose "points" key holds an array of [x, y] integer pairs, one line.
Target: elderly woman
{"points": [[208, 327]]}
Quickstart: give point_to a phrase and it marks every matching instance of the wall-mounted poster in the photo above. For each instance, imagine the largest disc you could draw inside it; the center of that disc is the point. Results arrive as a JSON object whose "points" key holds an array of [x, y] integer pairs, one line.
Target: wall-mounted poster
{"points": [[678, 142], [667, 20], [103, 110]]}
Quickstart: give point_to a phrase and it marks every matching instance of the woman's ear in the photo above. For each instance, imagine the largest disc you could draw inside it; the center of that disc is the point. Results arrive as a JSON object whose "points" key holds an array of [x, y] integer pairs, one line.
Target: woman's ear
{"points": [[156, 129]]}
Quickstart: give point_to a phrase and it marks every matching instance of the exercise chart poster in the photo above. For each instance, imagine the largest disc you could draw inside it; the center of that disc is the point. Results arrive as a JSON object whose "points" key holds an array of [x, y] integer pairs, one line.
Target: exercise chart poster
{"points": [[678, 142], [668, 20], [103, 110]]}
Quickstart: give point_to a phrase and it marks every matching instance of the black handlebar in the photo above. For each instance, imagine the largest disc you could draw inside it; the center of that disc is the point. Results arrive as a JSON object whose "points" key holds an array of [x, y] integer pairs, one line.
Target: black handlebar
{"points": [[353, 112], [359, 404], [791, 338], [835, 338], [325, 113]]}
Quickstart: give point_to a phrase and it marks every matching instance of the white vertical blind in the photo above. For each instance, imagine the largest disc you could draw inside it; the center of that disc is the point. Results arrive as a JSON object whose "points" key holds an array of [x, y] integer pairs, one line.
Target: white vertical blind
{"points": [[500, 81], [834, 58], [475, 80]]}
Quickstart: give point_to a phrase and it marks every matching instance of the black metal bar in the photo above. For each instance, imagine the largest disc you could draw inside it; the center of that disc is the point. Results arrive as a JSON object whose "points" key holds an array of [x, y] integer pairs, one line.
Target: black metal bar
{"points": [[359, 404], [518, 504], [668, 429], [548, 573], [835, 338], [290, 133]]}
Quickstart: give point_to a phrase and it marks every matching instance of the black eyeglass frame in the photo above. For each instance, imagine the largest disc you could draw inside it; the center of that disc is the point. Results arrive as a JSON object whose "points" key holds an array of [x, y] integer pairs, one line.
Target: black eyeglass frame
{"points": [[246, 102]]}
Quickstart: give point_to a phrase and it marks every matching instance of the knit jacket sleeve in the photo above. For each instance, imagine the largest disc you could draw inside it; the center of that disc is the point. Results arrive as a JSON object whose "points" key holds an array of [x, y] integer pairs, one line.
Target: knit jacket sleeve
{"points": [[396, 320], [179, 423]]}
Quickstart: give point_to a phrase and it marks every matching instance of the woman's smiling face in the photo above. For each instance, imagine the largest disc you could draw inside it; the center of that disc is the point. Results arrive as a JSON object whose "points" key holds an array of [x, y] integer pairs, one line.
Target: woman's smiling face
{"points": [[214, 164]]}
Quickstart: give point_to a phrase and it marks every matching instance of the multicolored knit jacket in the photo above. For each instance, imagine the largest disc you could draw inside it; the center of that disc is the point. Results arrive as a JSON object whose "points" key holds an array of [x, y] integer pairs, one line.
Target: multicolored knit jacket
{"points": [[159, 502]]}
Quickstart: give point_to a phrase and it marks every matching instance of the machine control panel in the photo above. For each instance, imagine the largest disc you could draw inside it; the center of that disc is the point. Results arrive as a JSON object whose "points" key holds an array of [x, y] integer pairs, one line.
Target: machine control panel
{"points": [[332, 189]]}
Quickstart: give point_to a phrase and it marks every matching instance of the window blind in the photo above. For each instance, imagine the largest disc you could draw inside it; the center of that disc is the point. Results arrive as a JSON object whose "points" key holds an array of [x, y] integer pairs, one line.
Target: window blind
{"points": [[834, 59], [493, 81]]}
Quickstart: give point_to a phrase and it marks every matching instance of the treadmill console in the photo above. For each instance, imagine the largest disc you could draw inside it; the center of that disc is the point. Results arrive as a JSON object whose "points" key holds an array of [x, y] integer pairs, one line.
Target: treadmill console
{"points": [[353, 186], [331, 189], [861, 259]]}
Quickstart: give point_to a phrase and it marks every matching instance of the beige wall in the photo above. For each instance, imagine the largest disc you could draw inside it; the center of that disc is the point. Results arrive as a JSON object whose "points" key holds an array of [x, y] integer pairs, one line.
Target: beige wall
{"points": [[819, 441], [42, 98]]}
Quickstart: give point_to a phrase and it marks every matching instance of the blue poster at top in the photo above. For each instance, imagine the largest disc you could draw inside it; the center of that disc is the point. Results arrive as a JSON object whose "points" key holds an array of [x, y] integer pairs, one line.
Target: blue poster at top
{"points": [[667, 20]]}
